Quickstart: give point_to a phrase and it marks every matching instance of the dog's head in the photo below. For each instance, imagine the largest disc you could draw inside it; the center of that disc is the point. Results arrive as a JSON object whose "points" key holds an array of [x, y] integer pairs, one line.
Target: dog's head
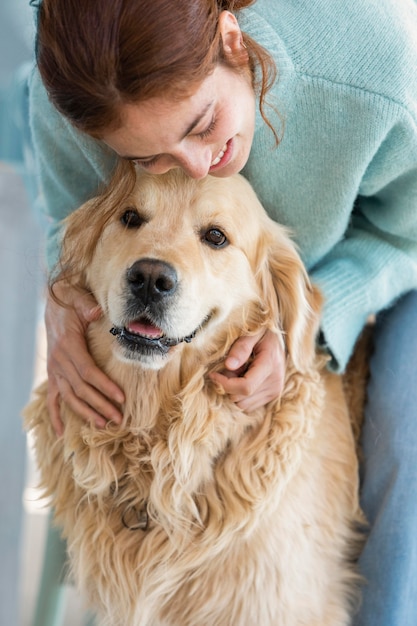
{"points": [[171, 260]]}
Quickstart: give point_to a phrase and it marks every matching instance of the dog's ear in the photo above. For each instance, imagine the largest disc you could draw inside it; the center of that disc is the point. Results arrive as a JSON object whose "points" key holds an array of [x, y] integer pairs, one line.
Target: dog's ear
{"points": [[82, 228], [293, 302]]}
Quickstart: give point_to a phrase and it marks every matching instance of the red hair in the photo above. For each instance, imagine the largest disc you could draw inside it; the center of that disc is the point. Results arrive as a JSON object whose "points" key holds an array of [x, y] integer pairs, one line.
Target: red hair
{"points": [[95, 55]]}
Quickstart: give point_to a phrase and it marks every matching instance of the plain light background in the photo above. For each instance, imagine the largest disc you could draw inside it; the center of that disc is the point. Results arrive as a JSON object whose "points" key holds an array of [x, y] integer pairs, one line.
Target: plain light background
{"points": [[20, 285]]}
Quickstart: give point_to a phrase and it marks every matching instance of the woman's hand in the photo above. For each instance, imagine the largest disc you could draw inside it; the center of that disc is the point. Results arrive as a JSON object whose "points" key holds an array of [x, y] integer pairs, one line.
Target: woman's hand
{"points": [[254, 385], [72, 373]]}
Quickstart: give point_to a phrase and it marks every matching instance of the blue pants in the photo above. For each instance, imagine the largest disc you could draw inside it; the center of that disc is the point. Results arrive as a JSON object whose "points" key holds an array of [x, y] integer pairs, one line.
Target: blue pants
{"points": [[389, 473]]}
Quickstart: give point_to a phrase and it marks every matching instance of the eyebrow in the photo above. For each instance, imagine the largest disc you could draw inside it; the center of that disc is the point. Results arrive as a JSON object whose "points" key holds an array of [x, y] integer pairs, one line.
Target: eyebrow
{"points": [[188, 130]]}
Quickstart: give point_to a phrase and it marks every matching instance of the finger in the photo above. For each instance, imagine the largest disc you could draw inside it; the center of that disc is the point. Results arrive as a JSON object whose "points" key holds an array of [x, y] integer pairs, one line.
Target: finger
{"points": [[80, 407], [271, 390], [53, 406], [90, 377], [248, 384], [85, 381], [256, 401], [87, 308], [73, 385], [241, 351], [81, 300], [228, 373], [78, 367], [96, 402]]}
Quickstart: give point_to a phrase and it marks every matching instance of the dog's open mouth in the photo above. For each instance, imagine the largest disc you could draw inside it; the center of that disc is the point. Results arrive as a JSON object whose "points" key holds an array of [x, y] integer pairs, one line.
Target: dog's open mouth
{"points": [[142, 335]]}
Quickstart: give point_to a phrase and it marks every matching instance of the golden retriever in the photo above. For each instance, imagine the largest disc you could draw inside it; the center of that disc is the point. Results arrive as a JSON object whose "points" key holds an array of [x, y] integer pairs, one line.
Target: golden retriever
{"points": [[193, 512]]}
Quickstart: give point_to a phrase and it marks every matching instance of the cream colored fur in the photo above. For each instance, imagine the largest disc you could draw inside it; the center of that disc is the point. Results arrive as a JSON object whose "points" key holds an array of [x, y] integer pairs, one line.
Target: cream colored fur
{"points": [[252, 517]]}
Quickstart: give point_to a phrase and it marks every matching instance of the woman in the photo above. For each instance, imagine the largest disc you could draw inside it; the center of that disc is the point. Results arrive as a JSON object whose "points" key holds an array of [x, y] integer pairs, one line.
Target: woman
{"points": [[185, 84]]}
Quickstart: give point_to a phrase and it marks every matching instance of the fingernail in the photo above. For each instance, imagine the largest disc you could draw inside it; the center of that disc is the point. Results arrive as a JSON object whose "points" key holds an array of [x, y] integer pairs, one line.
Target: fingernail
{"points": [[231, 363]]}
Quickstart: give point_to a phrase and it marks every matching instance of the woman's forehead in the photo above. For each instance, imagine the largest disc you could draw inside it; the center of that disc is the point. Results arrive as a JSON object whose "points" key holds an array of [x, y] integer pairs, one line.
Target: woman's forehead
{"points": [[150, 126]]}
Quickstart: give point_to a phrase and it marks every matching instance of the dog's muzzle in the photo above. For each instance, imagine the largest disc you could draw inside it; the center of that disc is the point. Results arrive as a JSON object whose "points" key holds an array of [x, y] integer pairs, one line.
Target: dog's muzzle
{"points": [[152, 288]]}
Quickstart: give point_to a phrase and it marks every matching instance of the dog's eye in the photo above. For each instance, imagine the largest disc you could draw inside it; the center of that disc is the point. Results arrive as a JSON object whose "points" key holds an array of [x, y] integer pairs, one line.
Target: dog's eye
{"points": [[131, 219], [215, 238]]}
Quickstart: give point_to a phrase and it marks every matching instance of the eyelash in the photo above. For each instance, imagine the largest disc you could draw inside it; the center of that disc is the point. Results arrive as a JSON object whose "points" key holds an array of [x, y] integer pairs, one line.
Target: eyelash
{"points": [[210, 129], [203, 135], [148, 163]]}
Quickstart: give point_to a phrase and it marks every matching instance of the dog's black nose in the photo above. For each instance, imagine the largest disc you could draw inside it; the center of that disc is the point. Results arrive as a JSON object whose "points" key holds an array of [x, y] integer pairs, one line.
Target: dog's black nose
{"points": [[151, 280]]}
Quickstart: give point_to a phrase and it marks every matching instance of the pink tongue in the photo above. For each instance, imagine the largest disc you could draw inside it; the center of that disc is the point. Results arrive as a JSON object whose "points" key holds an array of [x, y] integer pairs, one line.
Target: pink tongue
{"points": [[140, 327]]}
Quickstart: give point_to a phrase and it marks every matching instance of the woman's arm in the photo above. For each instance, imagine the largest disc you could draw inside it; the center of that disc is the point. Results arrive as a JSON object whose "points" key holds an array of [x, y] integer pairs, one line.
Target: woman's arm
{"points": [[376, 261]]}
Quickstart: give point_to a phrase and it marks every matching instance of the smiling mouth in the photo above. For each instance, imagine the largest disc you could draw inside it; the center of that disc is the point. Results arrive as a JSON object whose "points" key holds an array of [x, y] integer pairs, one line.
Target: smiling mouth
{"points": [[219, 157], [143, 336]]}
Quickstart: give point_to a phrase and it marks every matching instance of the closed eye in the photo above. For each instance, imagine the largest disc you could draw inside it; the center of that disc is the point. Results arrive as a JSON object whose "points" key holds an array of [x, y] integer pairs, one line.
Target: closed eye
{"points": [[210, 129], [147, 163]]}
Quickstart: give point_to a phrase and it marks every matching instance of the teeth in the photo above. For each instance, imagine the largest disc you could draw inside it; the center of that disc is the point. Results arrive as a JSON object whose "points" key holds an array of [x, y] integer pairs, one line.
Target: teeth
{"points": [[220, 155]]}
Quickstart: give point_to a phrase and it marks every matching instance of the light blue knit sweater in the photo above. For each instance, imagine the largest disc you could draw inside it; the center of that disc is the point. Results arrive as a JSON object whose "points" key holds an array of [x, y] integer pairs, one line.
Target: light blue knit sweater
{"points": [[344, 177]]}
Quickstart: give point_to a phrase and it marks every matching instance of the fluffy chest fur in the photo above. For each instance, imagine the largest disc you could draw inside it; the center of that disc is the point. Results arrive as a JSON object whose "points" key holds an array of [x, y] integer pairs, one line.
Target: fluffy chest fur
{"points": [[194, 512]]}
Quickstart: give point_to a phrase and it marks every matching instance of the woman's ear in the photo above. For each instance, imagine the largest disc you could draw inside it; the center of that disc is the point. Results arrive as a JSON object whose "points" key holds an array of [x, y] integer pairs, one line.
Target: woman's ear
{"points": [[231, 35]]}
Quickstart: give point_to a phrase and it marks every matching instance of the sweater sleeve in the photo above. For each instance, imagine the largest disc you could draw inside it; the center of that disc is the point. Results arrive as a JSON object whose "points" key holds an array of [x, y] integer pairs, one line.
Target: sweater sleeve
{"points": [[71, 166], [376, 261]]}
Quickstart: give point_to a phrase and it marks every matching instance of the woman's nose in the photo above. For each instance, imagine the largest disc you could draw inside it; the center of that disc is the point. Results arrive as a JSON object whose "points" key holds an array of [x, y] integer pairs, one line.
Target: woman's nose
{"points": [[195, 162]]}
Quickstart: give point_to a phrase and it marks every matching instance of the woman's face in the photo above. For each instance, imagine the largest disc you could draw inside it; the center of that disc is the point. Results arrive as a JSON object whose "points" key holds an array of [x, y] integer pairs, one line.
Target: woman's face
{"points": [[209, 132]]}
